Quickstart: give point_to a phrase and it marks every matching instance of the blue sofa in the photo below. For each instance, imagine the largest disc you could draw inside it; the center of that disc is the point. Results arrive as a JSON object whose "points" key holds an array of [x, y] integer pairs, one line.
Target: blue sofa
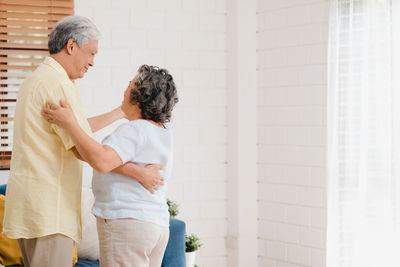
{"points": [[174, 255]]}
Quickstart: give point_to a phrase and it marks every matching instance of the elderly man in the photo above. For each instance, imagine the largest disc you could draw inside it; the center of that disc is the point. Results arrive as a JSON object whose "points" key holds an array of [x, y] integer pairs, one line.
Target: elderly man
{"points": [[43, 195]]}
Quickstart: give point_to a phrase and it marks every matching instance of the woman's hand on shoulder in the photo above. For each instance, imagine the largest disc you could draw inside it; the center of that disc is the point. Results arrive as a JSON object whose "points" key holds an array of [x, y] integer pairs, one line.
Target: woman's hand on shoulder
{"points": [[60, 115]]}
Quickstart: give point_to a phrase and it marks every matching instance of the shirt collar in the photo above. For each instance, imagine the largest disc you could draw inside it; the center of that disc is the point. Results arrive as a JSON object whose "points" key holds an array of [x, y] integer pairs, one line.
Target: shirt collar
{"points": [[55, 65]]}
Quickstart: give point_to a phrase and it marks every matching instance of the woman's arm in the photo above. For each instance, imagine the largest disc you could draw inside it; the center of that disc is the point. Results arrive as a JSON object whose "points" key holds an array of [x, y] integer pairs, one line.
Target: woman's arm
{"points": [[76, 154], [98, 122], [101, 158]]}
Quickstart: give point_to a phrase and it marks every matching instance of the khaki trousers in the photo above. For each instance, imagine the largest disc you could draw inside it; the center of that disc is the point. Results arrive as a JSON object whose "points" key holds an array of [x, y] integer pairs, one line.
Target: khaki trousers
{"points": [[131, 243], [48, 251]]}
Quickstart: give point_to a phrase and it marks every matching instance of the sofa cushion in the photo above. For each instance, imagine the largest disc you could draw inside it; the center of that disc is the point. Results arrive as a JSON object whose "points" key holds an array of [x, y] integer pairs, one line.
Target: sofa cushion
{"points": [[174, 255], [87, 263], [3, 189], [88, 249], [9, 249]]}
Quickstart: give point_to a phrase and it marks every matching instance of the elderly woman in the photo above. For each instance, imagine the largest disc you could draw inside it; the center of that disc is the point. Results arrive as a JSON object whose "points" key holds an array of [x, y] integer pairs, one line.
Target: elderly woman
{"points": [[132, 223]]}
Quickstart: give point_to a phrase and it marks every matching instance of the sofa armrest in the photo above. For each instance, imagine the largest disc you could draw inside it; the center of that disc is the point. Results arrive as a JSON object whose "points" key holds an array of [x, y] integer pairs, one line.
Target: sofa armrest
{"points": [[3, 189], [174, 255]]}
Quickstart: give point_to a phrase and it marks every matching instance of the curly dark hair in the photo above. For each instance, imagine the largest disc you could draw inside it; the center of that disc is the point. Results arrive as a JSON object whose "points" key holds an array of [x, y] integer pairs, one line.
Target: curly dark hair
{"points": [[155, 93]]}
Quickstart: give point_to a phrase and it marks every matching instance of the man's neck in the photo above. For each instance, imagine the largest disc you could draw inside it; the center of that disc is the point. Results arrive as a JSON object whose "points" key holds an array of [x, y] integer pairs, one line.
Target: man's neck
{"points": [[60, 57]]}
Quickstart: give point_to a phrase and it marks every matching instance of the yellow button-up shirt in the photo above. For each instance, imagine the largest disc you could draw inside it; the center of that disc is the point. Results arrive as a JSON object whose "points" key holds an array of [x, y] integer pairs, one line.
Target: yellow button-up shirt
{"points": [[44, 187]]}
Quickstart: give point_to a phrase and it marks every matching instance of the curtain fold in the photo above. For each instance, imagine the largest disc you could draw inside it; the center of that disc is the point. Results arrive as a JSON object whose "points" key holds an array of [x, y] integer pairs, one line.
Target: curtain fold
{"points": [[363, 134]]}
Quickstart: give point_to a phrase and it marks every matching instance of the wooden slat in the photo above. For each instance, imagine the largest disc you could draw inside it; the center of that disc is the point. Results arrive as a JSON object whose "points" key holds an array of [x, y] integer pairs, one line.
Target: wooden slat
{"points": [[23, 38], [10, 85], [7, 104], [16, 15], [12, 67], [10, 82], [26, 23], [6, 119], [9, 100], [5, 142], [3, 105], [9, 37], [23, 52], [41, 9], [7, 74], [12, 90], [9, 112], [9, 124], [44, 32], [6, 127], [10, 97], [37, 3], [5, 163], [4, 100], [6, 94], [22, 60], [23, 46]]}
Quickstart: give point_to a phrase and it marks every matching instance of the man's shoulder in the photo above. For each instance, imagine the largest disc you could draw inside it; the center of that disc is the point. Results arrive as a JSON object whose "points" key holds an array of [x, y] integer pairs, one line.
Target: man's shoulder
{"points": [[44, 78], [47, 74]]}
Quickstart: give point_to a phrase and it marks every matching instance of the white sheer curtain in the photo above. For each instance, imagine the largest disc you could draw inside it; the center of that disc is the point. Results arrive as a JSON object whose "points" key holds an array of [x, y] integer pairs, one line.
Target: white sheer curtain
{"points": [[363, 134]]}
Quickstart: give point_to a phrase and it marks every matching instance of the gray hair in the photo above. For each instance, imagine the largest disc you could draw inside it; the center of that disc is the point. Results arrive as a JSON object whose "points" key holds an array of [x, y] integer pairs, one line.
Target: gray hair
{"points": [[79, 28], [155, 93]]}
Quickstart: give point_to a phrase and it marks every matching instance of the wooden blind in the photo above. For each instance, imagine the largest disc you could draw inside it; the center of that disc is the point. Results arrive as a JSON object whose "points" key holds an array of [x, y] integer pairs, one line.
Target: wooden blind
{"points": [[25, 26]]}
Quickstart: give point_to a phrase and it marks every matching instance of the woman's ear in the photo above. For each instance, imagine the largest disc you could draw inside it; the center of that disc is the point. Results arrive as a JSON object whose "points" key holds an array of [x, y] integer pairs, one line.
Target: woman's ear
{"points": [[70, 46]]}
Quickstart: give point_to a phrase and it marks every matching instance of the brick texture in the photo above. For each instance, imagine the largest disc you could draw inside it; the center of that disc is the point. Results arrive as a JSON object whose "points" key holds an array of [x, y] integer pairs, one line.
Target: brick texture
{"points": [[292, 83]]}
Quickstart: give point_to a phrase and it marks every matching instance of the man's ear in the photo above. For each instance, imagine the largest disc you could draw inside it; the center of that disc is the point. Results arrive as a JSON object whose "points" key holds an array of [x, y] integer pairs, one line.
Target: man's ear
{"points": [[70, 47]]}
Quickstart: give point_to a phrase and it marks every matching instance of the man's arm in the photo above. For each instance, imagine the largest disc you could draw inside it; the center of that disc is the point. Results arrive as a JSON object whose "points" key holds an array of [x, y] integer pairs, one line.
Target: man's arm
{"points": [[101, 158], [148, 176], [98, 122]]}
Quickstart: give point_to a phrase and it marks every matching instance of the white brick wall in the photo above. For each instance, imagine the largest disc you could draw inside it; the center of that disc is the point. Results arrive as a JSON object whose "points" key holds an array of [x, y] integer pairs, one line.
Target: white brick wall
{"points": [[292, 51], [188, 38]]}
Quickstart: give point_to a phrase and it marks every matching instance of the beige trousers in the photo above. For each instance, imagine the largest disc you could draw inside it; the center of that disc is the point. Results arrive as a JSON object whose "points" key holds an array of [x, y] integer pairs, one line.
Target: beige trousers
{"points": [[48, 251], [131, 243]]}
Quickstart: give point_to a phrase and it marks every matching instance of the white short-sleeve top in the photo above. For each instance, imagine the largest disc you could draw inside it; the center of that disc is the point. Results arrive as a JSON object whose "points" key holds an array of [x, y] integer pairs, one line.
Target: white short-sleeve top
{"points": [[118, 196]]}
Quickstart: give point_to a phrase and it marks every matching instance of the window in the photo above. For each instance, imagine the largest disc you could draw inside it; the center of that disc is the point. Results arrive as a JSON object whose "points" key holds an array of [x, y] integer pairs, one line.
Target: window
{"points": [[363, 134], [24, 29]]}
